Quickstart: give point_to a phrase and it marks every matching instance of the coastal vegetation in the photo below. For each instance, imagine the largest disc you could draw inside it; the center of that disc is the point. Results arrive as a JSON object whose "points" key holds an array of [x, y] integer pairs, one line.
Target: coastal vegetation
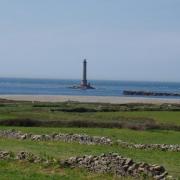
{"points": [[73, 114], [138, 123]]}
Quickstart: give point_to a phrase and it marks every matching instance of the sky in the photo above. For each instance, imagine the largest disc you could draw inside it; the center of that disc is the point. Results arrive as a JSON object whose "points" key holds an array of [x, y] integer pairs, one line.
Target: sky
{"points": [[135, 40]]}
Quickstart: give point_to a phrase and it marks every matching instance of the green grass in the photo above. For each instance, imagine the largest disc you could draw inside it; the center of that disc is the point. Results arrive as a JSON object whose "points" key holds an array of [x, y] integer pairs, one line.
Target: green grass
{"points": [[6, 116], [27, 110], [19, 110], [61, 150], [25, 171], [159, 117], [165, 117]]}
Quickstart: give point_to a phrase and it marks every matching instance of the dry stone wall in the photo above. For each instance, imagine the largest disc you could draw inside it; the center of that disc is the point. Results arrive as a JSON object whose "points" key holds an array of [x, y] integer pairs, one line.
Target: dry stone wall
{"points": [[86, 139], [116, 164], [80, 138], [105, 163], [162, 147]]}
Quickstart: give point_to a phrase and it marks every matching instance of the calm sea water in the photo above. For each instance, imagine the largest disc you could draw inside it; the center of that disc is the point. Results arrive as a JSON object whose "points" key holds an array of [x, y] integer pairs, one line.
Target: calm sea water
{"points": [[60, 87]]}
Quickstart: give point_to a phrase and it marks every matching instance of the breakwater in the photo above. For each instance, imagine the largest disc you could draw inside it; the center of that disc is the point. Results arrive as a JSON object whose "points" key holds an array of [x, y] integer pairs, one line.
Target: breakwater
{"points": [[149, 93]]}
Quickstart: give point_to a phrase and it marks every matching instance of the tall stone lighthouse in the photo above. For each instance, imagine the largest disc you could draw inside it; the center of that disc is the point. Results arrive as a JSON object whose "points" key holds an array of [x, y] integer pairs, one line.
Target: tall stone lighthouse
{"points": [[84, 83], [84, 80]]}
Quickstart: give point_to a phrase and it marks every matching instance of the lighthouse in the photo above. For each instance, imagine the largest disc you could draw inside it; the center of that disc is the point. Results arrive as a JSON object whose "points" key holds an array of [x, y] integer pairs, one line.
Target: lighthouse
{"points": [[84, 79], [84, 83]]}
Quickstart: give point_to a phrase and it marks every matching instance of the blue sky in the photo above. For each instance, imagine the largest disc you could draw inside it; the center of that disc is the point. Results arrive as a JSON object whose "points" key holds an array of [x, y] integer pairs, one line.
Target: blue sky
{"points": [[121, 39]]}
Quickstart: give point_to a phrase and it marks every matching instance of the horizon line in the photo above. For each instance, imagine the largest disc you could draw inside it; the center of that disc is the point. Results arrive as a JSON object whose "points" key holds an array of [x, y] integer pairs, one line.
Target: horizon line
{"points": [[78, 79]]}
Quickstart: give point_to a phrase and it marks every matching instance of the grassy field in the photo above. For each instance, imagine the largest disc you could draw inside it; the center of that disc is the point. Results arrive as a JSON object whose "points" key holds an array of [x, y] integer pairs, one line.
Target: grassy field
{"points": [[158, 116], [26, 171], [170, 160], [90, 112], [145, 137], [120, 115], [57, 111]]}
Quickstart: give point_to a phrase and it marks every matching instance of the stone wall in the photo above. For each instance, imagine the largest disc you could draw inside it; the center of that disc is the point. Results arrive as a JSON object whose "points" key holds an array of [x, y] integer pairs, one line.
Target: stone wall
{"points": [[86, 139], [105, 163], [80, 138], [162, 147], [116, 164]]}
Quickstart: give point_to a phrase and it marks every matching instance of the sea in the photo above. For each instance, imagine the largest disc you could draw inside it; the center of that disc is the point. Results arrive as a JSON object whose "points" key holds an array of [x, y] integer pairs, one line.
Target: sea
{"points": [[17, 86]]}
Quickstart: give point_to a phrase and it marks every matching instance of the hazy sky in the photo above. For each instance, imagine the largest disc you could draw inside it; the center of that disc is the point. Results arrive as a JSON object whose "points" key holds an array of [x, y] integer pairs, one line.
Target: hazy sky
{"points": [[121, 39]]}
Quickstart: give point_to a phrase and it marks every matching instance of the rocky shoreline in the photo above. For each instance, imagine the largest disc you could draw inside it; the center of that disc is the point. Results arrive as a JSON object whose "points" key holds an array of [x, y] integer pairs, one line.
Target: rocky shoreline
{"points": [[86, 139], [104, 163]]}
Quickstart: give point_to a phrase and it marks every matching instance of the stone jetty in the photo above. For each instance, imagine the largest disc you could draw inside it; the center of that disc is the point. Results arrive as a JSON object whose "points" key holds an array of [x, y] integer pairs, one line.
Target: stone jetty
{"points": [[149, 93]]}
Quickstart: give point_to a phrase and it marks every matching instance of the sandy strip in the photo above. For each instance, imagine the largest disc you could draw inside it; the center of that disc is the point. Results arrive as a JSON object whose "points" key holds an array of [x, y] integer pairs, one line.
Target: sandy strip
{"points": [[100, 99]]}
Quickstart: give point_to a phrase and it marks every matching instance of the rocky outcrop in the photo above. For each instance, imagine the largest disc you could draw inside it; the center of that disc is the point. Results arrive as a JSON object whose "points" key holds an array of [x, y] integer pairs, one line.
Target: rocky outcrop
{"points": [[116, 164], [86, 139], [105, 163], [149, 93]]}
